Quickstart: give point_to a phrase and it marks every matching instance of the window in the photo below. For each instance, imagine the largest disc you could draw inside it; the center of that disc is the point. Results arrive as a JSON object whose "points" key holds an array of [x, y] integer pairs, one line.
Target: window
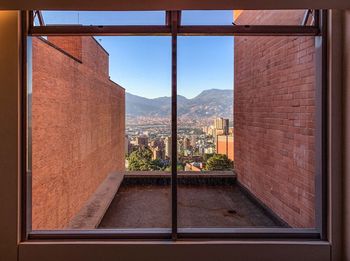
{"points": [[252, 144], [274, 17], [110, 136], [102, 18], [211, 17]]}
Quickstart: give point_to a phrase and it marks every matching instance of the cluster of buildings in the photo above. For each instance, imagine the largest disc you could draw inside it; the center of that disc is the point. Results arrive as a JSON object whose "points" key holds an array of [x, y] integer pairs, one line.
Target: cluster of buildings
{"points": [[192, 143], [218, 139], [160, 147]]}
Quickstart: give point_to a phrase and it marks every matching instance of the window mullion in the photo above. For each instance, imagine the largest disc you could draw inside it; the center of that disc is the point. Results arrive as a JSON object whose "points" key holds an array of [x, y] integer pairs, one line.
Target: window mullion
{"points": [[174, 27]]}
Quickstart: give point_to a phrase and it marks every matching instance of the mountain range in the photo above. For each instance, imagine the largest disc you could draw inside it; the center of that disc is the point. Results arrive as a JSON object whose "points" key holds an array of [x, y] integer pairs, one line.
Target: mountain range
{"points": [[209, 103]]}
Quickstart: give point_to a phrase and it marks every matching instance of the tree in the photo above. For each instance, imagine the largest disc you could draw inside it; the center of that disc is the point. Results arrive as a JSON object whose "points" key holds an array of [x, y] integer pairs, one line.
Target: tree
{"points": [[207, 156], [157, 165], [219, 162], [179, 167], [140, 160]]}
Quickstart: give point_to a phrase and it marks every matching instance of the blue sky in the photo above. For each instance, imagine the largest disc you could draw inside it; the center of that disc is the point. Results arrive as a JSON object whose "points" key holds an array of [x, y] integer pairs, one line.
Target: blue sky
{"points": [[142, 64]]}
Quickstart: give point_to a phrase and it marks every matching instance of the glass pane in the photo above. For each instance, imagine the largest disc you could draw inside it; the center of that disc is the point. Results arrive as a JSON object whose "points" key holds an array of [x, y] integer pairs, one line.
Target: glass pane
{"points": [[271, 17], [274, 118], [245, 17], [205, 129], [103, 17], [100, 127], [221, 17], [273, 128], [144, 199]]}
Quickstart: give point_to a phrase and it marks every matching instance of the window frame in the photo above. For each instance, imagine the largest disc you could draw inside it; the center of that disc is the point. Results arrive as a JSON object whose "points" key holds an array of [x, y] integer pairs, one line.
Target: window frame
{"points": [[174, 28]]}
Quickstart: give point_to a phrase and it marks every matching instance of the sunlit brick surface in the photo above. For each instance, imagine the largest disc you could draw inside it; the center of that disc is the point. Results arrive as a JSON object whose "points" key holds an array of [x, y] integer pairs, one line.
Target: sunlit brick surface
{"points": [[274, 119], [78, 127]]}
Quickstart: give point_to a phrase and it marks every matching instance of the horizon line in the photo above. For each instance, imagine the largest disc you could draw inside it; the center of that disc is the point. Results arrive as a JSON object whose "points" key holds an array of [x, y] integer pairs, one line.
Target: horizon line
{"points": [[179, 94]]}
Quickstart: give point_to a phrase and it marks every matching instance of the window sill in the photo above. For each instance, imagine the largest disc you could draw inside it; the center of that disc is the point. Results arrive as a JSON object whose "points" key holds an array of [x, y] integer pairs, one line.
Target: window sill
{"points": [[180, 250]]}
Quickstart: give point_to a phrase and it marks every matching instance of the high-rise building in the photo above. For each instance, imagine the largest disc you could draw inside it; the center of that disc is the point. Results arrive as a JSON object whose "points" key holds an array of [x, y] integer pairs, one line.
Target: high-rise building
{"points": [[225, 145], [193, 140], [127, 145], [186, 143], [158, 153], [221, 125], [168, 147], [155, 143], [211, 130]]}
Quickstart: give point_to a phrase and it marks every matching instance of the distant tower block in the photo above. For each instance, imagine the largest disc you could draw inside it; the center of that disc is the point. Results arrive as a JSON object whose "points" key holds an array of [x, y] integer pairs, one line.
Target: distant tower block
{"points": [[221, 126], [168, 147]]}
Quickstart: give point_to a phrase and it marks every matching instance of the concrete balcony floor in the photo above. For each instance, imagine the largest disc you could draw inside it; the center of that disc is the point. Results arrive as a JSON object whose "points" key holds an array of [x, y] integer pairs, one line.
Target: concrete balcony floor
{"points": [[218, 202]]}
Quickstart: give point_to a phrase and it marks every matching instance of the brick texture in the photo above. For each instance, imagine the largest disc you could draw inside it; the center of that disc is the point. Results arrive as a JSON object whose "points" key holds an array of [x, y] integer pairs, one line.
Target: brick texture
{"points": [[274, 118], [78, 124]]}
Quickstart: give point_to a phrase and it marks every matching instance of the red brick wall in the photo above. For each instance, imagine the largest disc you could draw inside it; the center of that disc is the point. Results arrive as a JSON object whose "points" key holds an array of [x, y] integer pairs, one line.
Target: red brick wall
{"points": [[269, 17], [77, 127], [92, 49], [72, 45], [274, 119]]}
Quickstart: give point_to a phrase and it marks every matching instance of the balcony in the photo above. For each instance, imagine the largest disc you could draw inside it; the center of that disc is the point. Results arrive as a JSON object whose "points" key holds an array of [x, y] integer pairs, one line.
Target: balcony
{"points": [[143, 200]]}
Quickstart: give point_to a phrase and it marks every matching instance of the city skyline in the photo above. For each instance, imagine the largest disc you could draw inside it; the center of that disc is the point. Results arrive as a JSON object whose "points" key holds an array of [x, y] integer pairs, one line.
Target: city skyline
{"points": [[148, 147]]}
